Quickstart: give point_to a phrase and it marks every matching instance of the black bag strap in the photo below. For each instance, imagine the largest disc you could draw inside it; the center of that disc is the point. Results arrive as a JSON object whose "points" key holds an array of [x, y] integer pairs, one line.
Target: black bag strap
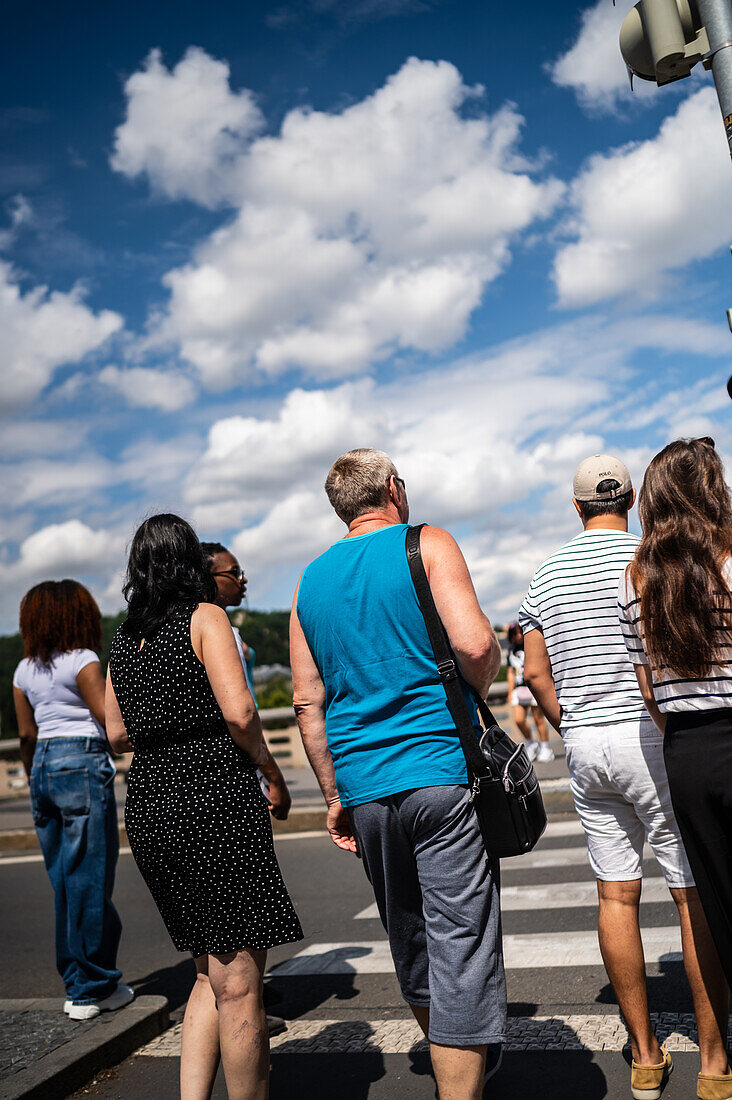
{"points": [[445, 660]]}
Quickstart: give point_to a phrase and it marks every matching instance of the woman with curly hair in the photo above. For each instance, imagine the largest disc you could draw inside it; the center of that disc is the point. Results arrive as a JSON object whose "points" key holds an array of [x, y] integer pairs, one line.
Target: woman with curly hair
{"points": [[58, 691], [676, 615], [196, 818]]}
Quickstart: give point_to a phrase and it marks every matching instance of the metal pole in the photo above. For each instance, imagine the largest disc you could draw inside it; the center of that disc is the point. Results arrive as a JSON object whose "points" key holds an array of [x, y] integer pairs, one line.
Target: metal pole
{"points": [[716, 15]]}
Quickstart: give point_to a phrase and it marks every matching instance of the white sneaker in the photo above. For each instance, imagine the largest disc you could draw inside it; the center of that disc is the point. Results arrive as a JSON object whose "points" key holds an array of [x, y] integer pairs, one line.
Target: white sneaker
{"points": [[545, 754], [121, 997], [82, 1012], [531, 748]]}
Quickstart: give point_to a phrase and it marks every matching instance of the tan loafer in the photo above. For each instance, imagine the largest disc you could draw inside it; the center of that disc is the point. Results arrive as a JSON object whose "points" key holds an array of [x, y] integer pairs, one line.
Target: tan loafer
{"points": [[646, 1082], [713, 1086]]}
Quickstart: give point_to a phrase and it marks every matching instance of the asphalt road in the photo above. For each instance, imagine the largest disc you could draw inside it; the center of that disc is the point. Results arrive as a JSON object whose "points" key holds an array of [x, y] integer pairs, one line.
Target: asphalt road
{"points": [[549, 906]]}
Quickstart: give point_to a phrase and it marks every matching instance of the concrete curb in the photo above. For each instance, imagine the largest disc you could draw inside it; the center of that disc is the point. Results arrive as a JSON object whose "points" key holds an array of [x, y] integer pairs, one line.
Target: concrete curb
{"points": [[109, 1040]]}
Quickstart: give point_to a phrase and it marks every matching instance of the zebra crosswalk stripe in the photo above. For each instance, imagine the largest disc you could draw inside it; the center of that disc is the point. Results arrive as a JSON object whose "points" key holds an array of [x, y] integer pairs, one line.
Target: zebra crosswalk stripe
{"points": [[520, 952], [555, 895]]}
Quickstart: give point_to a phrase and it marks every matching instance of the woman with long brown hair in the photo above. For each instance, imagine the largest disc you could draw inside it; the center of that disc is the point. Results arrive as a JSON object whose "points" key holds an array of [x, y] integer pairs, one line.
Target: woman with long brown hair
{"points": [[676, 615], [58, 689]]}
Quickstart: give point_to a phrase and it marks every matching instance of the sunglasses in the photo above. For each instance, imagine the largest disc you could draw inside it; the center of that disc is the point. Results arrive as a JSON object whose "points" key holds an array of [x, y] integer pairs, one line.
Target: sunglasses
{"points": [[236, 572], [706, 439]]}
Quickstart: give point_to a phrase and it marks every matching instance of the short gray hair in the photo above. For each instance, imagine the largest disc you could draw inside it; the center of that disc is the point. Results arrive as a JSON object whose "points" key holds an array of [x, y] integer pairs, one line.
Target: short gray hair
{"points": [[358, 482]]}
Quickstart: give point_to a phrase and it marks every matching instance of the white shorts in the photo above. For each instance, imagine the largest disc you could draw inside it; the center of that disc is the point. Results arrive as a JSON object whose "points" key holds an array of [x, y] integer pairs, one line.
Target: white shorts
{"points": [[522, 697], [620, 789]]}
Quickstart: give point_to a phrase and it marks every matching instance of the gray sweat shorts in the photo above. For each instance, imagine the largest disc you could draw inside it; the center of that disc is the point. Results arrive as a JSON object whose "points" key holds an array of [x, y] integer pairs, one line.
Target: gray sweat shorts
{"points": [[438, 897]]}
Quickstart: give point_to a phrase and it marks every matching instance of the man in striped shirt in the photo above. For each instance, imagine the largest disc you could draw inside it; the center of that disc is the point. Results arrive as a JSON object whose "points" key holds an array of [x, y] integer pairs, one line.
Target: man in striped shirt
{"points": [[577, 668]]}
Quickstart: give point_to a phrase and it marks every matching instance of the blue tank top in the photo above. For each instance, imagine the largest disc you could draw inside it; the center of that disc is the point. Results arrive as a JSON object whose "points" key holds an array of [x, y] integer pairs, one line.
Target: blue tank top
{"points": [[387, 721]]}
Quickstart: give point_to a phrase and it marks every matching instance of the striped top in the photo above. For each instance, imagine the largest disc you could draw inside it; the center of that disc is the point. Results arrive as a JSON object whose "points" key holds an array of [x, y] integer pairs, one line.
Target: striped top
{"points": [[573, 601], [673, 693]]}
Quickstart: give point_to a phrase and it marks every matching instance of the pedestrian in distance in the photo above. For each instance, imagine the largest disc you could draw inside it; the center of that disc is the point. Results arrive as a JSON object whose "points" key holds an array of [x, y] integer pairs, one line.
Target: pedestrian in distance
{"points": [[58, 690], [377, 731], [523, 702], [196, 820], [578, 668], [676, 615], [231, 587]]}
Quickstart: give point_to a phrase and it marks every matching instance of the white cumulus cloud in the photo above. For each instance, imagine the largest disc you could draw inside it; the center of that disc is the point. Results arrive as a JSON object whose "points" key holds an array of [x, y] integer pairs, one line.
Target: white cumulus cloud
{"points": [[63, 548], [593, 66], [58, 550], [648, 208], [41, 331], [145, 387], [184, 127], [354, 233], [495, 459]]}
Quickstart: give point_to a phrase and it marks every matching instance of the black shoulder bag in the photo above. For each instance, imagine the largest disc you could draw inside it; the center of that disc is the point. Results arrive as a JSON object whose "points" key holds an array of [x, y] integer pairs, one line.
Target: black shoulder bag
{"points": [[504, 789]]}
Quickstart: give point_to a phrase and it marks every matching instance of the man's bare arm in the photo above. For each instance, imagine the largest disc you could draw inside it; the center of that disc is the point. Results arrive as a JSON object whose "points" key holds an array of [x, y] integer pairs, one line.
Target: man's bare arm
{"points": [[471, 635], [538, 676], [308, 697]]}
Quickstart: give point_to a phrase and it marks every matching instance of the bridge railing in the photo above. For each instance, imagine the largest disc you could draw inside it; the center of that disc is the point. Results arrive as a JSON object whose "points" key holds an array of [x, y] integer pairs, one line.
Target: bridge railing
{"points": [[282, 738]]}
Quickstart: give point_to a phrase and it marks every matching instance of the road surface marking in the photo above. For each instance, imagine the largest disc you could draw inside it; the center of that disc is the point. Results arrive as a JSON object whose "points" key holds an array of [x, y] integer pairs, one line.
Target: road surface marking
{"points": [[521, 952], [556, 895], [7, 861], [305, 835]]}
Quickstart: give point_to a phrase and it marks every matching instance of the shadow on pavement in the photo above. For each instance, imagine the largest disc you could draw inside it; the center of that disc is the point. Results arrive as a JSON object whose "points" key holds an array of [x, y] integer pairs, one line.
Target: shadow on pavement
{"points": [[328, 1076], [550, 1074], [556, 1071], [173, 982], [667, 992]]}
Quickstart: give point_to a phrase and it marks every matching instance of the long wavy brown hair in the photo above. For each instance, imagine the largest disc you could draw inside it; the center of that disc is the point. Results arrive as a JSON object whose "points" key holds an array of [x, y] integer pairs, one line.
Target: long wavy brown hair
{"points": [[686, 513], [58, 616]]}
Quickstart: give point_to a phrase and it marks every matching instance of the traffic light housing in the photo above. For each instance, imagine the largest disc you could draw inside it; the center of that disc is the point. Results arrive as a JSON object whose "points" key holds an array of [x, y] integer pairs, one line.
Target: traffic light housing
{"points": [[662, 40]]}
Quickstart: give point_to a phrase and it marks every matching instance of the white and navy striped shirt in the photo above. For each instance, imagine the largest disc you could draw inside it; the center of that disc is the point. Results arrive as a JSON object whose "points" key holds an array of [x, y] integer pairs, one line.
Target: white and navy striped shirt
{"points": [[673, 693], [573, 601]]}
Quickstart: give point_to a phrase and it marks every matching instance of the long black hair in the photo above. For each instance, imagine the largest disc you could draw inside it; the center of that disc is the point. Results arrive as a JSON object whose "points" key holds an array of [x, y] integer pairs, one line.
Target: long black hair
{"points": [[165, 571]]}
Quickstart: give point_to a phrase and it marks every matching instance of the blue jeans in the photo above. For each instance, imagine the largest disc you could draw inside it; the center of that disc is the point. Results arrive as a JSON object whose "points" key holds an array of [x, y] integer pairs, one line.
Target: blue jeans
{"points": [[74, 811]]}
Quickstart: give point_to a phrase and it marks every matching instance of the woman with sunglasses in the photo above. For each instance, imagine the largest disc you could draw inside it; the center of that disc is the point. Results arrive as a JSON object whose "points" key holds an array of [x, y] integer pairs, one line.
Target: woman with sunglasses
{"points": [[676, 615], [231, 587]]}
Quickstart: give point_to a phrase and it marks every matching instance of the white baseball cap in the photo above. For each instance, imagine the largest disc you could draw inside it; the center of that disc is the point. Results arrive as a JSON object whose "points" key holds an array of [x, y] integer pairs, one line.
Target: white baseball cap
{"points": [[598, 468]]}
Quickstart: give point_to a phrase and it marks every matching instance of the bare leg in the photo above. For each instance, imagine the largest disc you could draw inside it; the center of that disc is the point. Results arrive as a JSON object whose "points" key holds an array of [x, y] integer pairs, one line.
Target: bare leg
{"points": [[622, 952], [459, 1071], [519, 717], [540, 723], [199, 1050], [236, 980], [709, 988]]}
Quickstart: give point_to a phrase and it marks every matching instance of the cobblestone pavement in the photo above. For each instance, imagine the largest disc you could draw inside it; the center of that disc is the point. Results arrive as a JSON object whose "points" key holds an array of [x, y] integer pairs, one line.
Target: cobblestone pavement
{"points": [[579, 1032], [26, 1034]]}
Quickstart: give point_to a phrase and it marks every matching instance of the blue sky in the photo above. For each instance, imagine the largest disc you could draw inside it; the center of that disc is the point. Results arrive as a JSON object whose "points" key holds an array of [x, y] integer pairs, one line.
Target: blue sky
{"points": [[235, 242]]}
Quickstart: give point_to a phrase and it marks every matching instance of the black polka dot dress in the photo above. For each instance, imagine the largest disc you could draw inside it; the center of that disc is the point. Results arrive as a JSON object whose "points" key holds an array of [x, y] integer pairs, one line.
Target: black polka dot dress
{"points": [[196, 819]]}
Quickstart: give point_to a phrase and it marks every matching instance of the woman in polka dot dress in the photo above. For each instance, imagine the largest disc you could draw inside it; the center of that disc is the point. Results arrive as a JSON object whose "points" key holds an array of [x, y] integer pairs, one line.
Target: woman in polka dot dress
{"points": [[196, 819]]}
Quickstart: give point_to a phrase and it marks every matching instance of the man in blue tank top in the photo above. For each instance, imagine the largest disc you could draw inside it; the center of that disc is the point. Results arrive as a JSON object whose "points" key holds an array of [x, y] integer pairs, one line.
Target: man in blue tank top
{"points": [[375, 725]]}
